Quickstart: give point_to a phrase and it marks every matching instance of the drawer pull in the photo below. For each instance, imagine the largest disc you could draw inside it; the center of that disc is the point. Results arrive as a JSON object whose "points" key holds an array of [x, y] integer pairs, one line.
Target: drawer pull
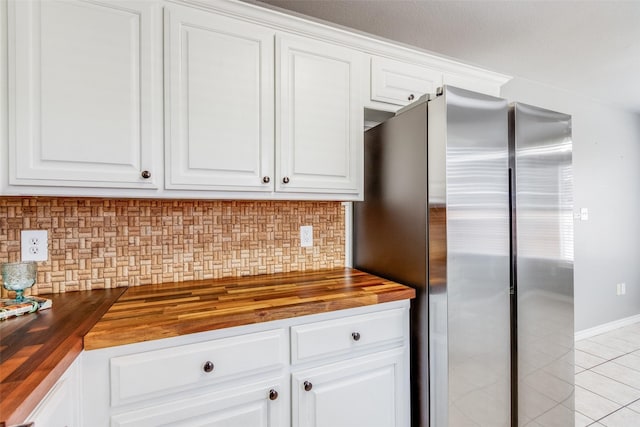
{"points": [[285, 180], [146, 174], [307, 386], [208, 366], [411, 97], [355, 336], [273, 394]]}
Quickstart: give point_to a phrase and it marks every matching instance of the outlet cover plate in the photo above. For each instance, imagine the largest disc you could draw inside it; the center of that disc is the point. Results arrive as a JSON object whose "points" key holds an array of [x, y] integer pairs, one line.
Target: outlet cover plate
{"points": [[34, 245], [306, 236]]}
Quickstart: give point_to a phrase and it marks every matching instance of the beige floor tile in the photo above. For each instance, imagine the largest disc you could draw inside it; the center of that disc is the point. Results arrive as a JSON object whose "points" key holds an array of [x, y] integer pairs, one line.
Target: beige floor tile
{"points": [[593, 405], [619, 373], [623, 418], [607, 387], [629, 360], [582, 420], [615, 343], [635, 406], [587, 360], [597, 349], [634, 328], [626, 335]]}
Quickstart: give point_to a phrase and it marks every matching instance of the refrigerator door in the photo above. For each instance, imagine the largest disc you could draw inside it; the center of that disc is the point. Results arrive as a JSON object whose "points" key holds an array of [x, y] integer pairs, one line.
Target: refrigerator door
{"points": [[541, 148], [469, 264]]}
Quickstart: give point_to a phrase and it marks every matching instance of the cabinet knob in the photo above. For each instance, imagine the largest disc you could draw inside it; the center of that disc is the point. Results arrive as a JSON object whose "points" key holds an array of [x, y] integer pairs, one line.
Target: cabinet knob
{"points": [[355, 336], [266, 179], [285, 179], [273, 394], [411, 97], [307, 386], [146, 174], [208, 366]]}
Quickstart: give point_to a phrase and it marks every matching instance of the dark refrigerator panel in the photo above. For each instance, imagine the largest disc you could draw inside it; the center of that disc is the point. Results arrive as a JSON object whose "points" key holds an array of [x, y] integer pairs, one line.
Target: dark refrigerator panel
{"points": [[390, 227]]}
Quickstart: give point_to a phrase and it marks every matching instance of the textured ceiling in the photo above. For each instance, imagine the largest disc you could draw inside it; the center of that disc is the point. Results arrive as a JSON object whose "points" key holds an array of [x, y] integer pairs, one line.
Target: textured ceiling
{"points": [[589, 47]]}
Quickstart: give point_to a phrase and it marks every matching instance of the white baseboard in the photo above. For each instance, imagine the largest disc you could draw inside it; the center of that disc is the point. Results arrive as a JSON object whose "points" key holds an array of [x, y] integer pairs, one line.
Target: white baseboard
{"points": [[601, 329]]}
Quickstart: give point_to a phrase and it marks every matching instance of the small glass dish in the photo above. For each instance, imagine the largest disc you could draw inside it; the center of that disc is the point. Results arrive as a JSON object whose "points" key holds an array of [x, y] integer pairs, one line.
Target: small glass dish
{"points": [[18, 276]]}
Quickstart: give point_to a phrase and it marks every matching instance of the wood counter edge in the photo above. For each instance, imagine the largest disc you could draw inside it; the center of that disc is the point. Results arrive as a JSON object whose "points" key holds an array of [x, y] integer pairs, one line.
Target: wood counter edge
{"points": [[20, 401]]}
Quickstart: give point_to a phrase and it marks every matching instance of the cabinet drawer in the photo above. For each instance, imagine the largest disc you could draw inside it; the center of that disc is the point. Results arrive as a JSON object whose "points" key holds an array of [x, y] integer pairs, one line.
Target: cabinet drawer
{"points": [[340, 336], [160, 372], [400, 83]]}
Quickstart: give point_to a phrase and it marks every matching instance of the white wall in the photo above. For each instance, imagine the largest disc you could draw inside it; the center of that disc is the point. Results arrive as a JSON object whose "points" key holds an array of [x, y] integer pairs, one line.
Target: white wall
{"points": [[606, 160]]}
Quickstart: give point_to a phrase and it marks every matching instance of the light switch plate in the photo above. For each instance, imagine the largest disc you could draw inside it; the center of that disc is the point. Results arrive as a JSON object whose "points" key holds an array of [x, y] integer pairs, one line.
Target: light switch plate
{"points": [[306, 236]]}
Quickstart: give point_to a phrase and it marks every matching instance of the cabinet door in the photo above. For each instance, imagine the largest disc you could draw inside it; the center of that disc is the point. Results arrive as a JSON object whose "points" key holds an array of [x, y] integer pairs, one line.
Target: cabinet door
{"points": [[369, 391], [219, 102], [61, 406], [319, 133], [255, 406], [400, 83], [83, 105]]}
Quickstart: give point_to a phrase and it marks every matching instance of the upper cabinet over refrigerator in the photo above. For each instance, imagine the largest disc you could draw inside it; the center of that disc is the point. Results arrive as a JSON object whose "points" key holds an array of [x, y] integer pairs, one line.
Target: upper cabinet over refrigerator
{"points": [[319, 132]]}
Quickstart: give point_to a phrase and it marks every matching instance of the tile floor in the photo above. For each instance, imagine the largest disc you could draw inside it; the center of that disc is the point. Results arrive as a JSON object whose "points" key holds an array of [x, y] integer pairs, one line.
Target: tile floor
{"points": [[608, 379]]}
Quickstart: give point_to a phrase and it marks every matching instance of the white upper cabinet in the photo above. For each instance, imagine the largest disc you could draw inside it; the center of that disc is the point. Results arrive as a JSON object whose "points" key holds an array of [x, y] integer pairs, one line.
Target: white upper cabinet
{"points": [[83, 79], [319, 110], [256, 104], [401, 83], [219, 102]]}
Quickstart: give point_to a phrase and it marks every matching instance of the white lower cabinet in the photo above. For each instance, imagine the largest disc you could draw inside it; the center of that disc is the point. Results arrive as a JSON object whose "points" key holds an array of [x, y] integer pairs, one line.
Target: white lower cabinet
{"points": [[61, 406], [344, 368], [255, 405], [367, 391]]}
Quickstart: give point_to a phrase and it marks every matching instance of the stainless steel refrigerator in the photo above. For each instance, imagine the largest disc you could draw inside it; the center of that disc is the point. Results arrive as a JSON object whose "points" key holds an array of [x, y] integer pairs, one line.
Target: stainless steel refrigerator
{"points": [[469, 200]]}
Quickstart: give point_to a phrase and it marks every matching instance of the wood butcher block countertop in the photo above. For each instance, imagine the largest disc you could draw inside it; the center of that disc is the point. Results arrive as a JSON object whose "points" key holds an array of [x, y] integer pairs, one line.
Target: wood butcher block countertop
{"points": [[152, 312], [36, 349]]}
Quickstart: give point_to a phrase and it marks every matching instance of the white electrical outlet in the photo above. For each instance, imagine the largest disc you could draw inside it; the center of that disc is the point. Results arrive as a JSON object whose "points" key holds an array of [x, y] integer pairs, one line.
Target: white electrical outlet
{"points": [[306, 236], [34, 245], [584, 214], [623, 288]]}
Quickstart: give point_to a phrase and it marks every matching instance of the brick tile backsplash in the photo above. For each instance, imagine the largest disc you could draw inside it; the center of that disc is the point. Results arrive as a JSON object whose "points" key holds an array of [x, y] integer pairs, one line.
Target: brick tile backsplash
{"points": [[107, 243]]}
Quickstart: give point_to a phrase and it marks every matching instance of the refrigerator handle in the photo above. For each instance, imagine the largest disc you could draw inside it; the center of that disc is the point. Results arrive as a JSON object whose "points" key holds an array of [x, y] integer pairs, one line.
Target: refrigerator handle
{"points": [[513, 305], [513, 268]]}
